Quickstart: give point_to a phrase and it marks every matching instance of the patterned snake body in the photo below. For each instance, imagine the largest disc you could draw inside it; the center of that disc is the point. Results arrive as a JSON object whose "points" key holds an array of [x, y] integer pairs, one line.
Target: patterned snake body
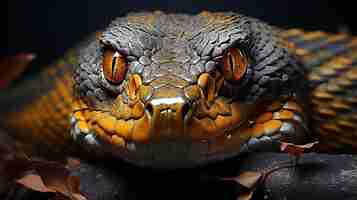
{"points": [[176, 90]]}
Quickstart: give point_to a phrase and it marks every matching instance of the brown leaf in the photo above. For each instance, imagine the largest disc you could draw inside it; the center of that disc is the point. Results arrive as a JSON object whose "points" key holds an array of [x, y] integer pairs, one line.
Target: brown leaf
{"points": [[34, 182], [248, 179], [245, 196], [296, 150], [54, 175], [74, 184], [45, 176], [78, 196], [248, 182], [57, 177]]}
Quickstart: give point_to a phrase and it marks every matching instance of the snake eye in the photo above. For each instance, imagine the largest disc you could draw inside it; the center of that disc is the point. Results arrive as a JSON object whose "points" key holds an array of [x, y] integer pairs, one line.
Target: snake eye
{"points": [[114, 66], [235, 64]]}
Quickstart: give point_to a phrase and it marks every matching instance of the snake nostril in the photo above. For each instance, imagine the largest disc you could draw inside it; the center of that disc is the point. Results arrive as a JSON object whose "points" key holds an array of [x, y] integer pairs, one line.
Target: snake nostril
{"points": [[184, 110], [150, 109], [167, 108]]}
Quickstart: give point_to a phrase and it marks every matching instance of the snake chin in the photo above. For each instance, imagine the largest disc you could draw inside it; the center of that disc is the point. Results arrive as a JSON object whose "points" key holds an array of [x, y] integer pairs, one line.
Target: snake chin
{"points": [[201, 140], [167, 153]]}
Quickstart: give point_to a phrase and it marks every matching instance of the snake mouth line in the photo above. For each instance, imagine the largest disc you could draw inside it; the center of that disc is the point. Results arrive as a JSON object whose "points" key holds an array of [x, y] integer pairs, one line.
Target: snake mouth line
{"points": [[147, 130], [203, 139], [233, 143], [118, 133]]}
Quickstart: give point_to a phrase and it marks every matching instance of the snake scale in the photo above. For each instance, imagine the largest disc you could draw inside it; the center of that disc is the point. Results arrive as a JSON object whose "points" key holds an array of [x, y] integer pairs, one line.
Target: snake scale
{"points": [[179, 90]]}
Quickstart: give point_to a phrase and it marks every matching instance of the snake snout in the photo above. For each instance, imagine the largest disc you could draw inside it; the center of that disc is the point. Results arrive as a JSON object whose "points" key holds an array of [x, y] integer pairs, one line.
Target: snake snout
{"points": [[168, 107], [167, 114]]}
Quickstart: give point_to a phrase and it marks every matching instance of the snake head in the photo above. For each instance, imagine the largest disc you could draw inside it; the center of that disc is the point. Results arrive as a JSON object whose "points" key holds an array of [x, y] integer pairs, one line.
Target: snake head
{"points": [[180, 90]]}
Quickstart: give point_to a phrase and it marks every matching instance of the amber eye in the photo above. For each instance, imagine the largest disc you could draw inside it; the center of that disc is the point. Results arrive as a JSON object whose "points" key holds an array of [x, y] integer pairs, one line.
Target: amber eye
{"points": [[235, 64], [114, 66]]}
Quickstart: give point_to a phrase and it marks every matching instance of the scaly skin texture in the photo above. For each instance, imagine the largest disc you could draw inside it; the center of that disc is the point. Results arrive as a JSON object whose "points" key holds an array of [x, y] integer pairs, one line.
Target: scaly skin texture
{"points": [[37, 111], [174, 107], [331, 59]]}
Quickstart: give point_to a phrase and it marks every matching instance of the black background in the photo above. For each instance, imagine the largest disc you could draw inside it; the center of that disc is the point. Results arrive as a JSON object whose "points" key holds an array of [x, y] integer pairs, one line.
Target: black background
{"points": [[47, 28]]}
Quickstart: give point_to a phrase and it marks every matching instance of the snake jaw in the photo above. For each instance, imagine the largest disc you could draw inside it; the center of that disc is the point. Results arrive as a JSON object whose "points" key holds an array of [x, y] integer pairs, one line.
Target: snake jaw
{"points": [[170, 107], [171, 115], [82, 135], [200, 125], [282, 121], [206, 139]]}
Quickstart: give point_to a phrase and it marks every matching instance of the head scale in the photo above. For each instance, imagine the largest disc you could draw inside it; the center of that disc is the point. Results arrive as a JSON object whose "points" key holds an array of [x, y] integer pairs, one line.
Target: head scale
{"points": [[174, 106]]}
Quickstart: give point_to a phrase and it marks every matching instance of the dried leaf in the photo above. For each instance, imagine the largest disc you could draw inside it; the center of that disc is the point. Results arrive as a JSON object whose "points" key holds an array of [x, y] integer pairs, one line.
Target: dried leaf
{"points": [[57, 177], [296, 150], [74, 184], [34, 182], [248, 179], [78, 197], [45, 176], [247, 182], [245, 196], [54, 175]]}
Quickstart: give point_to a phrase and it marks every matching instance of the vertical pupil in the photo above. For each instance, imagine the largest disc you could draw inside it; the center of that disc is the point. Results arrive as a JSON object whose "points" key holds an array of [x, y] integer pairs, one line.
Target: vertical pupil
{"points": [[114, 61], [230, 60]]}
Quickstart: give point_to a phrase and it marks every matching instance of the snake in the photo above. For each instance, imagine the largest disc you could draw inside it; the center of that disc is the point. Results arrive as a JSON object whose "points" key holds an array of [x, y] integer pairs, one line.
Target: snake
{"points": [[172, 90]]}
